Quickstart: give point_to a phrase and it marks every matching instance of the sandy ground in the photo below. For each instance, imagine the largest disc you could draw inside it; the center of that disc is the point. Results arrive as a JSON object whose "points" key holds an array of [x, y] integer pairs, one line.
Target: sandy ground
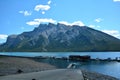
{"points": [[11, 65], [58, 74]]}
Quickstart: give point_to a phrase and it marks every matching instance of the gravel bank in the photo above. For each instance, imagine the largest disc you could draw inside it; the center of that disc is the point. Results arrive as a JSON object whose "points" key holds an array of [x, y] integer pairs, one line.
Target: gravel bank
{"points": [[96, 76], [14, 65]]}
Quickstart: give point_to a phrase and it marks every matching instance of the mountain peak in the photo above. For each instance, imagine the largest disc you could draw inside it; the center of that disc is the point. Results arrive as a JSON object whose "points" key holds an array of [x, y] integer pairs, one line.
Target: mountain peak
{"points": [[61, 24], [51, 24], [61, 37]]}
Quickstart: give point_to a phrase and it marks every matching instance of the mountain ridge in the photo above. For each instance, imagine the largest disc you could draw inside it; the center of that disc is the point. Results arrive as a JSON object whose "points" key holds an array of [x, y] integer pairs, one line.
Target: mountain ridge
{"points": [[59, 38]]}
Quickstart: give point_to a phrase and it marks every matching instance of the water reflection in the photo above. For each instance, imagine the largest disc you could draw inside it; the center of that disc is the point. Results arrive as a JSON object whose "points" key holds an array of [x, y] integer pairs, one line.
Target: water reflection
{"points": [[107, 68]]}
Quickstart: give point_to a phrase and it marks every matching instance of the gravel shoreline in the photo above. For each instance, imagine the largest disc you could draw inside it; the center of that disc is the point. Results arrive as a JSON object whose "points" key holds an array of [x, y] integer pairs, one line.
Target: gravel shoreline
{"points": [[96, 76], [15, 65]]}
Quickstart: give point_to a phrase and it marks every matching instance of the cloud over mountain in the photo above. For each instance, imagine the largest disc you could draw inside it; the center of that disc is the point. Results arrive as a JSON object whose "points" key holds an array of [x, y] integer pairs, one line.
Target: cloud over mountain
{"points": [[3, 36], [80, 23], [36, 22], [114, 33]]}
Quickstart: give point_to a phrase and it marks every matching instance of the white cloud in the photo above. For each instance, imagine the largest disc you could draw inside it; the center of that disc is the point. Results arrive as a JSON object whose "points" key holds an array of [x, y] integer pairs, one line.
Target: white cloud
{"points": [[26, 13], [94, 26], [98, 20], [42, 7], [114, 33], [3, 36], [36, 22], [74, 23], [43, 12], [116, 0], [49, 2]]}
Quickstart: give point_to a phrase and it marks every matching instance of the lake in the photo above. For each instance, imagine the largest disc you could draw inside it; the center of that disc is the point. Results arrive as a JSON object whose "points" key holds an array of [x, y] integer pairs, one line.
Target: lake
{"points": [[108, 68]]}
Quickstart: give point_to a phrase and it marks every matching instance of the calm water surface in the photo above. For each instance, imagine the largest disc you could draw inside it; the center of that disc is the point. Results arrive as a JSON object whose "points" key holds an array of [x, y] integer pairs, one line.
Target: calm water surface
{"points": [[108, 68]]}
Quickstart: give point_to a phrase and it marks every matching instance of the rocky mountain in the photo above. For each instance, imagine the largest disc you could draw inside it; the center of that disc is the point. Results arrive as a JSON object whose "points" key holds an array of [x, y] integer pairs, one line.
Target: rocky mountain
{"points": [[60, 37]]}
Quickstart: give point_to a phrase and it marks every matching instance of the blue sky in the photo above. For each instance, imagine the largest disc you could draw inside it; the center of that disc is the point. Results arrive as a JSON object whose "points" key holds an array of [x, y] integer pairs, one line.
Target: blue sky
{"points": [[17, 16]]}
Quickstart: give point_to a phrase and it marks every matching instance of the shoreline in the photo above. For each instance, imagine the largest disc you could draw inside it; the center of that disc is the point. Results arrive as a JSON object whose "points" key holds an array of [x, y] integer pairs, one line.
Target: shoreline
{"points": [[29, 65], [90, 75]]}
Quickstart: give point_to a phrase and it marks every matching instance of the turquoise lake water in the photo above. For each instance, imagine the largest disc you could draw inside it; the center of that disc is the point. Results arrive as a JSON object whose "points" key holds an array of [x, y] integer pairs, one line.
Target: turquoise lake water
{"points": [[108, 68]]}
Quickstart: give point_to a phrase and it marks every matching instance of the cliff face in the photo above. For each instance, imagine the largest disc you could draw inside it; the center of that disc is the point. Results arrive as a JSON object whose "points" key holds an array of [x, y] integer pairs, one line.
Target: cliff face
{"points": [[60, 37]]}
